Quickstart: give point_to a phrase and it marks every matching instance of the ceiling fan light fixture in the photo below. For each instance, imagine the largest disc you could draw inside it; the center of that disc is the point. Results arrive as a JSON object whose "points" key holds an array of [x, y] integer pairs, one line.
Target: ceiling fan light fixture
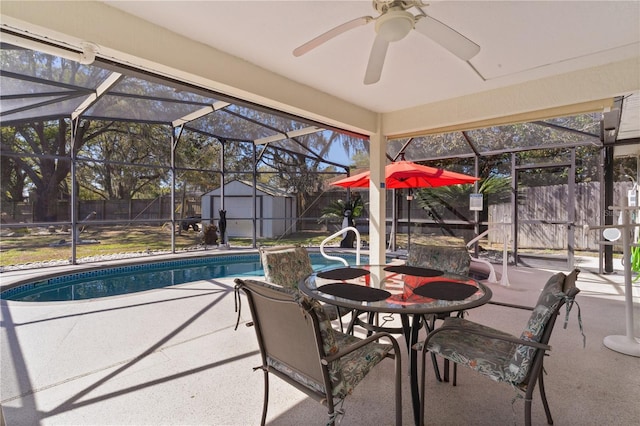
{"points": [[394, 25]]}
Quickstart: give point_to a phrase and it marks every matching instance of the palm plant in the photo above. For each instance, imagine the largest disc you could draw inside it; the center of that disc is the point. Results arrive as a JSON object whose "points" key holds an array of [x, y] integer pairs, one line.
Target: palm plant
{"points": [[455, 198], [336, 209]]}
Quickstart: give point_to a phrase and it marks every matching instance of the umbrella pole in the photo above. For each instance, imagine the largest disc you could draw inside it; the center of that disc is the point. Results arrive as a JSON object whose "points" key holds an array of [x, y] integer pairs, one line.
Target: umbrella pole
{"points": [[409, 198], [393, 237]]}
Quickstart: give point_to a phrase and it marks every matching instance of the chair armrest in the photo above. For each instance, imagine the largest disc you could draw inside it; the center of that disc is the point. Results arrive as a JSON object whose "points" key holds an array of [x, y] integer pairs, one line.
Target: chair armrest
{"points": [[510, 305], [487, 334], [346, 350]]}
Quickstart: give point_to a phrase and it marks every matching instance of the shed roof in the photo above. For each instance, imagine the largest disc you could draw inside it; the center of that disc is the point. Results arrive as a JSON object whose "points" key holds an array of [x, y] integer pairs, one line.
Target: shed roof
{"points": [[261, 187]]}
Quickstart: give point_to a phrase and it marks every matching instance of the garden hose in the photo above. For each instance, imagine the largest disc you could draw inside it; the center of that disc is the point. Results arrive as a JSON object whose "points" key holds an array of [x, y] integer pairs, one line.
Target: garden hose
{"points": [[635, 262]]}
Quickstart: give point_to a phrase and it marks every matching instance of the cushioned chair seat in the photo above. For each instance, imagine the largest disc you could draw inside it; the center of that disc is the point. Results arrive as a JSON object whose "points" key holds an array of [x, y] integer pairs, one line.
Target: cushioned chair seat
{"points": [[500, 356], [354, 366], [491, 357]]}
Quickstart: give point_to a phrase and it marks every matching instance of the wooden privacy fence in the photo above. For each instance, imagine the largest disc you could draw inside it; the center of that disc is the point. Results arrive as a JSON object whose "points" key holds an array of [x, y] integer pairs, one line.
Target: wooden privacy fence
{"points": [[133, 210], [547, 205], [544, 205], [140, 210]]}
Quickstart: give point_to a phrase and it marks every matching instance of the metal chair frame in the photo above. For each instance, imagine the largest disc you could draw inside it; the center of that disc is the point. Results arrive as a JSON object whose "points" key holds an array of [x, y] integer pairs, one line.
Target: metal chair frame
{"points": [[536, 369], [303, 352]]}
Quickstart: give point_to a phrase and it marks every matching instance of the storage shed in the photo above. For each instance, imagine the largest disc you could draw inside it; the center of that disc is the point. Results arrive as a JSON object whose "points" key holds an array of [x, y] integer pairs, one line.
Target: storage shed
{"points": [[275, 209]]}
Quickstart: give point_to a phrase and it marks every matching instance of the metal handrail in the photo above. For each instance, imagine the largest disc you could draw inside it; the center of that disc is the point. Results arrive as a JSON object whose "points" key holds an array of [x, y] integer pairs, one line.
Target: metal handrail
{"points": [[492, 272], [340, 232]]}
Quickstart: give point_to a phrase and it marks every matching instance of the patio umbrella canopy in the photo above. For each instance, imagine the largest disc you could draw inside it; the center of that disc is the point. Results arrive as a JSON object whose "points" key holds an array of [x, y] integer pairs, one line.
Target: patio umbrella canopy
{"points": [[406, 174]]}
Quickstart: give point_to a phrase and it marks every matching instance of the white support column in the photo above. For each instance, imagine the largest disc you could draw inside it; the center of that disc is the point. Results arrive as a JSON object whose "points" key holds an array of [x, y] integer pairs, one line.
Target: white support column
{"points": [[377, 198]]}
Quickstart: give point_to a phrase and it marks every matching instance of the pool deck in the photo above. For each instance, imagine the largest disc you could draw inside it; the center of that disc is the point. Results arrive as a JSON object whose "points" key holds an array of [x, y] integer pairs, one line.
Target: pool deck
{"points": [[171, 357]]}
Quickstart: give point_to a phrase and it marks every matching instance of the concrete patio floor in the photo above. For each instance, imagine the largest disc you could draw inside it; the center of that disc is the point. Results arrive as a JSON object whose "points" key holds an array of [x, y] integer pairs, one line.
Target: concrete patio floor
{"points": [[172, 357]]}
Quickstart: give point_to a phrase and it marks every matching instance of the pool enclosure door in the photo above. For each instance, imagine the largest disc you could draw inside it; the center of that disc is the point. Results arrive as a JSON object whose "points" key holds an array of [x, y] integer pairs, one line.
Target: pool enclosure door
{"points": [[545, 214]]}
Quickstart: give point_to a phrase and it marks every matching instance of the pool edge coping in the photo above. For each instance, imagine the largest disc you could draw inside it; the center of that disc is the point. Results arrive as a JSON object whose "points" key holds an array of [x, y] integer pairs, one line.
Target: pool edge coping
{"points": [[10, 279], [21, 277]]}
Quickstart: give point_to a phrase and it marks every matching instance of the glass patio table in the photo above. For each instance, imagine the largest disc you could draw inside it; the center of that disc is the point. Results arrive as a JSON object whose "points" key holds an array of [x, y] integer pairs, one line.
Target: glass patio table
{"points": [[412, 292]]}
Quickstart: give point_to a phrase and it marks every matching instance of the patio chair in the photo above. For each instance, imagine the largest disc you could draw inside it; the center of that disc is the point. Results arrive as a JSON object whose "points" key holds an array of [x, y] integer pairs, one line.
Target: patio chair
{"points": [[286, 266], [298, 345], [452, 258], [500, 356]]}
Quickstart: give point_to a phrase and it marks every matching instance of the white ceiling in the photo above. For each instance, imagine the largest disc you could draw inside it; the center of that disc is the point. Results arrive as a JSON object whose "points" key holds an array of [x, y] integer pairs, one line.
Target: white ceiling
{"points": [[539, 59], [520, 41]]}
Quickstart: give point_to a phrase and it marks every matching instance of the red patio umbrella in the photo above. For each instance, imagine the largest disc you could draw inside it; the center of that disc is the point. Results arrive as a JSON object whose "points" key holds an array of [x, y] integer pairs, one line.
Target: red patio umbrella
{"points": [[406, 174]]}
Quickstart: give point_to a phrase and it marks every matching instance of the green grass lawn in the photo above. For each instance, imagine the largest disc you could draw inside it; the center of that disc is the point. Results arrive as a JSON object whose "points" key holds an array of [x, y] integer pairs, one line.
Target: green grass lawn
{"points": [[26, 247], [38, 245]]}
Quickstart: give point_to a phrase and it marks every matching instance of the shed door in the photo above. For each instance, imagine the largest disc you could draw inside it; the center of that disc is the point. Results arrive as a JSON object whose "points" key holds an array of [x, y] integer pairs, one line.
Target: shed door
{"points": [[239, 215]]}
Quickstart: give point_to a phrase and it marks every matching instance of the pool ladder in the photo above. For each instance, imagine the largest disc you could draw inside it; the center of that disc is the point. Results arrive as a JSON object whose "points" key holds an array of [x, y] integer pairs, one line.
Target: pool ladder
{"points": [[340, 232]]}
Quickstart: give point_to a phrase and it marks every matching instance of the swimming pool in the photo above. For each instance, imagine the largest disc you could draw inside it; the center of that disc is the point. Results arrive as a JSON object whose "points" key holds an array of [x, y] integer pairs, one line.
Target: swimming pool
{"points": [[147, 276]]}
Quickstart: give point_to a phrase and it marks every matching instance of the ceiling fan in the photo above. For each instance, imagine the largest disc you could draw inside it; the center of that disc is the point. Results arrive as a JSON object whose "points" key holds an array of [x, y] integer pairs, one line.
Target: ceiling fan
{"points": [[393, 24]]}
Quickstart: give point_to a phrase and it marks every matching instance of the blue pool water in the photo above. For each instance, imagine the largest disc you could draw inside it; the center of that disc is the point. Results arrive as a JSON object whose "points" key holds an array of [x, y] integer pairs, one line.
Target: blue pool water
{"points": [[141, 277]]}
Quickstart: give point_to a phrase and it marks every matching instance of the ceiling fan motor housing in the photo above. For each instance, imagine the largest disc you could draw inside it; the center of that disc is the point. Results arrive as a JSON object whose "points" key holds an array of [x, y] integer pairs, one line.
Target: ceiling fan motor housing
{"points": [[394, 25]]}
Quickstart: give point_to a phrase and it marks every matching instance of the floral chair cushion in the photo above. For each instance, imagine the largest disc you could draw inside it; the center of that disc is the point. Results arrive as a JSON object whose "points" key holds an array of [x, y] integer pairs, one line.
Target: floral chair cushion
{"points": [[344, 373], [286, 267], [454, 259], [550, 298], [570, 281], [357, 364], [500, 360], [491, 357]]}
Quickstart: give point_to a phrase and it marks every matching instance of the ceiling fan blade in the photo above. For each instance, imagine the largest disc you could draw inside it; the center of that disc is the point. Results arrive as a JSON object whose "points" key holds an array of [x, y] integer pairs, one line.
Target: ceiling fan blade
{"points": [[323, 38], [376, 60], [447, 37]]}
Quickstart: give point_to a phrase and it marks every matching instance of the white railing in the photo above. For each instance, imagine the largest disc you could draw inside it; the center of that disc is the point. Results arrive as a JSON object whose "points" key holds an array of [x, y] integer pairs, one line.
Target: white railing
{"points": [[340, 232], [492, 272]]}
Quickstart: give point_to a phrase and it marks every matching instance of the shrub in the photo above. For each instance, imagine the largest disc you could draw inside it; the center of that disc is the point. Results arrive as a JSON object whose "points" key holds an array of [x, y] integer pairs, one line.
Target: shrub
{"points": [[210, 235]]}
